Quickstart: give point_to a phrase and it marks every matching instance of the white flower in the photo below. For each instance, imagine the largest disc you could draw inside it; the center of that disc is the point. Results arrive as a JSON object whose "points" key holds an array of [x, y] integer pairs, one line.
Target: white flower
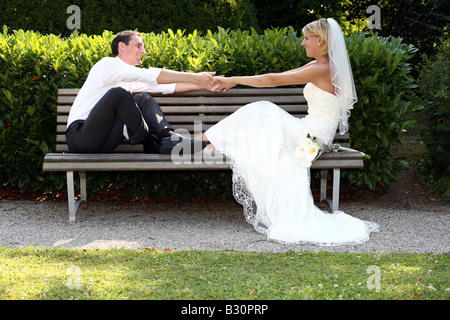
{"points": [[306, 151]]}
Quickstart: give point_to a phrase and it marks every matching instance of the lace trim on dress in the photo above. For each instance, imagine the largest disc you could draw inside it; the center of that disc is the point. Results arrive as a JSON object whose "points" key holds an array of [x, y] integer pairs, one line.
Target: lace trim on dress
{"points": [[254, 214], [370, 227]]}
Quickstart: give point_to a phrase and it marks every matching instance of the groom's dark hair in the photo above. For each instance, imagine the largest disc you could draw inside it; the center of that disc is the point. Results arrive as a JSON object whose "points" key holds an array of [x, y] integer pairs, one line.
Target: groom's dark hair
{"points": [[123, 36]]}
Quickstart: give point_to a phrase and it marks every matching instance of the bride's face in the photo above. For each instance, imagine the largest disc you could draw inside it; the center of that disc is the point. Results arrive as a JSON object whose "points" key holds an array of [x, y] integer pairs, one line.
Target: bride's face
{"points": [[311, 44]]}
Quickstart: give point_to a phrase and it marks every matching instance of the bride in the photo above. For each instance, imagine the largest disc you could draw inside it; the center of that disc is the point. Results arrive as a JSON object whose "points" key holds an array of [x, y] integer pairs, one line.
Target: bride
{"points": [[260, 139]]}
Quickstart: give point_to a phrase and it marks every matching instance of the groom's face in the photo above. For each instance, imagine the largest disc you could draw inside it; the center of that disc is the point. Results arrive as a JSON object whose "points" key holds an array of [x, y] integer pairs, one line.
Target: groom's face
{"points": [[133, 52]]}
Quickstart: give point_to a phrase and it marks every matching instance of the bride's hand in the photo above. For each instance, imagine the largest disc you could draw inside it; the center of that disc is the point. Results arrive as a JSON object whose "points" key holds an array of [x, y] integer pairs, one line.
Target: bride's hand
{"points": [[223, 83]]}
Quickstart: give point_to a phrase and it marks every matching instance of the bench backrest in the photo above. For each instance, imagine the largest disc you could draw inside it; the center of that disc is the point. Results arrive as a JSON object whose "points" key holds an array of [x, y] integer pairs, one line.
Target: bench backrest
{"points": [[197, 109]]}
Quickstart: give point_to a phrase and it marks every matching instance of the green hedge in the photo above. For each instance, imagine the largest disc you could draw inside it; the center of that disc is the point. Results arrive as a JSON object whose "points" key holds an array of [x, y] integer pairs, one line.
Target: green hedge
{"points": [[50, 17], [434, 94], [33, 66], [384, 86]]}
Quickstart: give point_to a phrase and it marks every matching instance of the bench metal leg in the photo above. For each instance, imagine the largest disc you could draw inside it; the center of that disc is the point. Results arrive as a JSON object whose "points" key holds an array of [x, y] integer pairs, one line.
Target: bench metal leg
{"points": [[71, 196], [334, 202], [83, 201], [323, 184], [336, 186], [74, 205]]}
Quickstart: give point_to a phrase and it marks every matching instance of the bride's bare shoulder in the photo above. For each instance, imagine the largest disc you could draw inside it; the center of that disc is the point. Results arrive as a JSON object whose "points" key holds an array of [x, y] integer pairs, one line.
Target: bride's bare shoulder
{"points": [[310, 64]]}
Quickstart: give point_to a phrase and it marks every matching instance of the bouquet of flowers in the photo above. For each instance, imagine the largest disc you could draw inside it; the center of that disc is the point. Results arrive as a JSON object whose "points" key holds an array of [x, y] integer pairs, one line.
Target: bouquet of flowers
{"points": [[309, 149]]}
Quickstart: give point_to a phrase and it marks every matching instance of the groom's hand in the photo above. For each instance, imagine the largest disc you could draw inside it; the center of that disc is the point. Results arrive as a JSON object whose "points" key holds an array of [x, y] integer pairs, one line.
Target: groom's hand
{"points": [[205, 79]]}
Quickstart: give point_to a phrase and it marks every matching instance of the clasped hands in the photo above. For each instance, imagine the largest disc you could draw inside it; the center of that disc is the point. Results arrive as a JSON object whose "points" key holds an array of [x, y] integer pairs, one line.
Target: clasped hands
{"points": [[216, 83]]}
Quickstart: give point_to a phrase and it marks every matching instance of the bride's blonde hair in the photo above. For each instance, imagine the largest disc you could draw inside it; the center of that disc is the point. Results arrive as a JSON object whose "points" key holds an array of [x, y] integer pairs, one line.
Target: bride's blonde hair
{"points": [[318, 28]]}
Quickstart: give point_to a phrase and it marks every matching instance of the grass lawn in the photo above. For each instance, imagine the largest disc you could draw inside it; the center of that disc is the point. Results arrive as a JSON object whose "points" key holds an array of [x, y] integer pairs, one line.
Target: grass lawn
{"points": [[118, 274]]}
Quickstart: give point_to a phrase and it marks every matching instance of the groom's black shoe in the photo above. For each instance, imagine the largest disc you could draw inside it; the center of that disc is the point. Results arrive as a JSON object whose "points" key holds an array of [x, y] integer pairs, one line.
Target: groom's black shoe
{"points": [[183, 145]]}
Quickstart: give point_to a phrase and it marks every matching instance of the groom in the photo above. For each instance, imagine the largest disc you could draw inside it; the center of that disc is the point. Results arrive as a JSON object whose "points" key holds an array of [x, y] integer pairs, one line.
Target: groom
{"points": [[105, 110]]}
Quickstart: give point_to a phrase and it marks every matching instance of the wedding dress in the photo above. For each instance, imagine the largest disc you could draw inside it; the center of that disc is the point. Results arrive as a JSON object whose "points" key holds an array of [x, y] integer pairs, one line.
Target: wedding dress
{"points": [[274, 190]]}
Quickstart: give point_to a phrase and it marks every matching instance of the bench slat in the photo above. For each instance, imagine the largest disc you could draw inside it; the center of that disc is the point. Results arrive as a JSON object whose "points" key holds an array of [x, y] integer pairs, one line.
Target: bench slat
{"points": [[125, 157], [142, 161], [194, 109], [227, 100], [232, 92], [280, 91], [121, 148], [208, 100], [61, 137], [184, 119], [60, 148]]}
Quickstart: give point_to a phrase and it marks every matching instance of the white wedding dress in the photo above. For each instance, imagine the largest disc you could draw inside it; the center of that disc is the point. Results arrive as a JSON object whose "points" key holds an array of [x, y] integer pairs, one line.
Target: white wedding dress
{"points": [[274, 190]]}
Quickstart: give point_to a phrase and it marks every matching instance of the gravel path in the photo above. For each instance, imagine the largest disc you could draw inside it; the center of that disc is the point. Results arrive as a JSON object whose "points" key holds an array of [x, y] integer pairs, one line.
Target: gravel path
{"points": [[210, 226]]}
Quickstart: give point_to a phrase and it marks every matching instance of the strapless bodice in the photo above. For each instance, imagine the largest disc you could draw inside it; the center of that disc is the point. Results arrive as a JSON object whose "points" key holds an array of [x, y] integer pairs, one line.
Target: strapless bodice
{"points": [[321, 103]]}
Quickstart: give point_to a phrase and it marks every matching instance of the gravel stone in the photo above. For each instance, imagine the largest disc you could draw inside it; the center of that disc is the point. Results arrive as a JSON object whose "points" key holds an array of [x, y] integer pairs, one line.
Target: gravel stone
{"points": [[206, 226]]}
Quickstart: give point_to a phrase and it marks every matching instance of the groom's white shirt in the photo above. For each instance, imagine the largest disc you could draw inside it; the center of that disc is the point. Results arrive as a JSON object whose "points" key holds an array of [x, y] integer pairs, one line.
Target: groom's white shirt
{"points": [[110, 73]]}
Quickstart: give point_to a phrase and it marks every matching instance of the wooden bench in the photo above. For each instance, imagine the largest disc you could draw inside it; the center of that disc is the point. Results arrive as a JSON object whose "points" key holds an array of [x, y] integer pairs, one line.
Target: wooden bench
{"points": [[194, 112]]}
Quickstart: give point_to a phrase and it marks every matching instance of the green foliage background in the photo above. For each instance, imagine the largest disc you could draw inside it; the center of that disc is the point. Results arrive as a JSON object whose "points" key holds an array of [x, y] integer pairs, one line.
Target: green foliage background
{"points": [[33, 66], [434, 94], [50, 16]]}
